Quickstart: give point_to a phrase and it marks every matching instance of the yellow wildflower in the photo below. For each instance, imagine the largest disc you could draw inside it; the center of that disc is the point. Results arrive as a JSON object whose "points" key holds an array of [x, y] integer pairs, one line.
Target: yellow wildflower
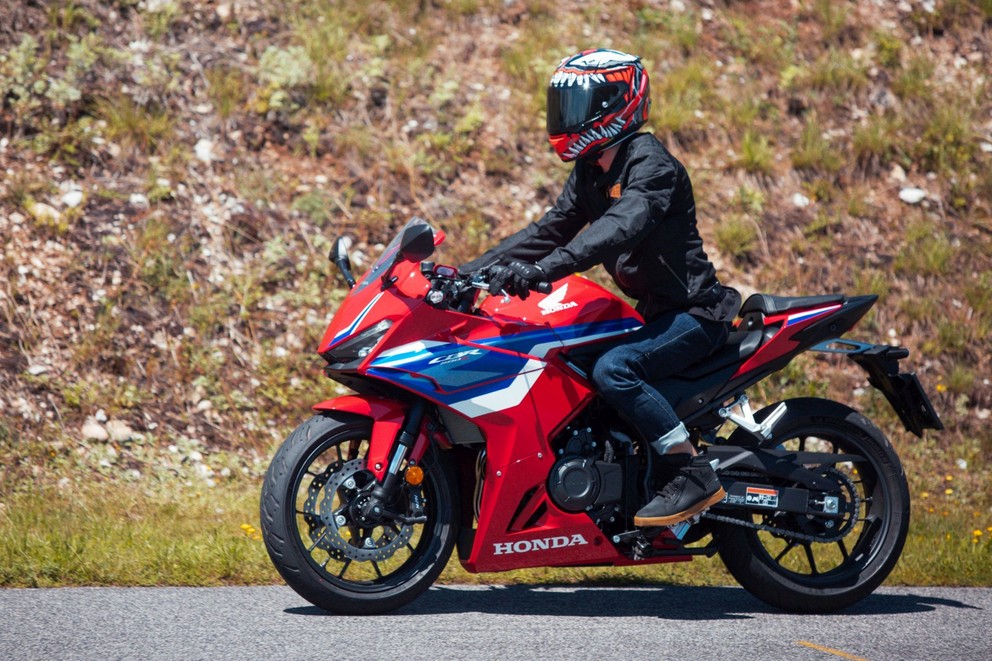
{"points": [[925, 494], [941, 387], [948, 492], [977, 532]]}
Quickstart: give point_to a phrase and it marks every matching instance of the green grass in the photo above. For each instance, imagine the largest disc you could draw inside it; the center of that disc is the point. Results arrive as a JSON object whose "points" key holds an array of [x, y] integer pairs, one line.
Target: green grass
{"points": [[814, 151], [928, 251], [757, 154], [736, 236], [875, 143], [118, 533], [946, 546], [138, 128], [686, 91], [121, 534]]}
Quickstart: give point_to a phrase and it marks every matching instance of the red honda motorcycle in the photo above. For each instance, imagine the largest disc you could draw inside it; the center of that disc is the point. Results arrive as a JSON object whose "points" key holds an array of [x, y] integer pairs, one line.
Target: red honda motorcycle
{"points": [[474, 424]]}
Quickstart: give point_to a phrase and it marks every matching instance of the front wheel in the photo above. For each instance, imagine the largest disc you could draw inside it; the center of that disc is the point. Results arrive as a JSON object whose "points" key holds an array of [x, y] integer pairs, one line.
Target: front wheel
{"points": [[804, 563], [322, 536]]}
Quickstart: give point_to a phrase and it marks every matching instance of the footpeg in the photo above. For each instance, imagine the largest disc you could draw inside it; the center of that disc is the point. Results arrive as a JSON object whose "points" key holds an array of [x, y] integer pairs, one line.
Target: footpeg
{"points": [[640, 546], [682, 527]]}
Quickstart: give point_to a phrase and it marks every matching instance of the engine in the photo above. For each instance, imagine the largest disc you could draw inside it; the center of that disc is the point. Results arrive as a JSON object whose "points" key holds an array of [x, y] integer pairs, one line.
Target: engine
{"points": [[587, 476]]}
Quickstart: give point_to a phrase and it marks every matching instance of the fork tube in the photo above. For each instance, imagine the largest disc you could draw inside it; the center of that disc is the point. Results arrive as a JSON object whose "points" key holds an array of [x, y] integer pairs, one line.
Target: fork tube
{"points": [[405, 440]]}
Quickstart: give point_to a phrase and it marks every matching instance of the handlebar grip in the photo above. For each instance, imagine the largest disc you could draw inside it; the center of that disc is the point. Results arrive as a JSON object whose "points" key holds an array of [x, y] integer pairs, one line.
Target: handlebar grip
{"points": [[543, 287]]}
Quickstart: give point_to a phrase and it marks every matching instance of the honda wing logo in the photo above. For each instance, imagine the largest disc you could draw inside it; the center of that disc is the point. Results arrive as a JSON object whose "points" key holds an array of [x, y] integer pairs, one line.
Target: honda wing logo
{"points": [[554, 301]]}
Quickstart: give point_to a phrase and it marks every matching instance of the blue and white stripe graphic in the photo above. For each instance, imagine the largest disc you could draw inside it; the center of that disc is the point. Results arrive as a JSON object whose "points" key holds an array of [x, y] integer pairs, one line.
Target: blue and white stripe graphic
{"points": [[809, 314], [353, 326], [474, 380]]}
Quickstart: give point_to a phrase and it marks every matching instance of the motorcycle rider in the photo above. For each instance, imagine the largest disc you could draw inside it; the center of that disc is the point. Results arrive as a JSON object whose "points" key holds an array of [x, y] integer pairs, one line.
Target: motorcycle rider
{"points": [[635, 202]]}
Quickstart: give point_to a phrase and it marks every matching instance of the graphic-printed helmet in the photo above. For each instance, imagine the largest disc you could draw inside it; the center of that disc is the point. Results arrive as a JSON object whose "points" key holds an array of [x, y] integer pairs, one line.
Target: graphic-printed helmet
{"points": [[596, 99]]}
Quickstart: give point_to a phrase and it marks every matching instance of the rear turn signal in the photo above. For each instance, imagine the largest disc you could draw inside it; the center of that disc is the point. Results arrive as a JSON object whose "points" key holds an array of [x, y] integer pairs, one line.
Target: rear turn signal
{"points": [[414, 475]]}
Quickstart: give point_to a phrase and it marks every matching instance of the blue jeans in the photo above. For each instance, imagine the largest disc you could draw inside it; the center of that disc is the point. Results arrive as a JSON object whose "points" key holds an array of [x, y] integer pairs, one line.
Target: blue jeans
{"points": [[661, 348]]}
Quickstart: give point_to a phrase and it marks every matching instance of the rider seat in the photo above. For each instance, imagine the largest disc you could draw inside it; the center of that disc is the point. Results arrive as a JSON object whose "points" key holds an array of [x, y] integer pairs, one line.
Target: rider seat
{"points": [[758, 306]]}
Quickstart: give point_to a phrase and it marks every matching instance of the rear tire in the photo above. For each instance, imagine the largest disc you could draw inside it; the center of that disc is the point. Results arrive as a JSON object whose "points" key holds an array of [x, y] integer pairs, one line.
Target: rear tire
{"points": [[311, 532], [818, 577]]}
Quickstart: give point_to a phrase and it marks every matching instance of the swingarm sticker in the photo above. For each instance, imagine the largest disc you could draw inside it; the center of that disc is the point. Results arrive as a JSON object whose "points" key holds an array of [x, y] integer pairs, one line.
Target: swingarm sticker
{"points": [[761, 497], [754, 497]]}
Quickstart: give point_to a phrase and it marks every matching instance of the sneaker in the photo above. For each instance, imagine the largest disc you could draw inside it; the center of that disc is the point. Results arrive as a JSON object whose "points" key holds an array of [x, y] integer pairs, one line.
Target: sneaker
{"points": [[693, 490]]}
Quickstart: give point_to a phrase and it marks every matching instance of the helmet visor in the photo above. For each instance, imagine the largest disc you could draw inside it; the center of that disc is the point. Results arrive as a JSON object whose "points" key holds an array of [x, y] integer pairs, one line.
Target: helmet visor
{"points": [[571, 106]]}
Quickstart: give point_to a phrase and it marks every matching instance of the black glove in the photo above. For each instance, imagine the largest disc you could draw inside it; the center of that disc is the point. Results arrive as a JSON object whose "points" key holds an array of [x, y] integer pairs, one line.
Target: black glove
{"points": [[516, 279]]}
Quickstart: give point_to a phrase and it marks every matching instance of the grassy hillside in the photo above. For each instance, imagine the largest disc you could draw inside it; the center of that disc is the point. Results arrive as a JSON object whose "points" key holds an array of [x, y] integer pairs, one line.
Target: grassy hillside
{"points": [[175, 170]]}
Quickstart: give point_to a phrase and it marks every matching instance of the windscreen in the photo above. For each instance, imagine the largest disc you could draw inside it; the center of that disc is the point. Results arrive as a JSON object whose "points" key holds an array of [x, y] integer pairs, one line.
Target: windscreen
{"points": [[388, 255]]}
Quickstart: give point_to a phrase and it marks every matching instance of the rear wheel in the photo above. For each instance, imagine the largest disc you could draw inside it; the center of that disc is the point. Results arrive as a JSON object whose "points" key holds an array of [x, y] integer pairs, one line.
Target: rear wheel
{"points": [[807, 563], [323, 536]]}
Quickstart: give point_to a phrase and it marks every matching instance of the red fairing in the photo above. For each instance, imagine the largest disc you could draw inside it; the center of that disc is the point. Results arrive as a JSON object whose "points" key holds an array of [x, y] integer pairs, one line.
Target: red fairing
{"points": [[782, 343], [387, 418], [501, 369]]}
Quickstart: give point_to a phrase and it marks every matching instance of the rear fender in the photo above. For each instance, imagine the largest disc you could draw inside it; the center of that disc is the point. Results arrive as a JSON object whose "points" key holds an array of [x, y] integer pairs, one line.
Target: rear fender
{"points": [[902, 389], [387, 417]]}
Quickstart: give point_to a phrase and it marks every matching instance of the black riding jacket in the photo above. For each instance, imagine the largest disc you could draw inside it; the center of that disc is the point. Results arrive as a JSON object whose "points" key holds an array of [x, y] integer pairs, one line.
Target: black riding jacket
{"points": [[640, 224]]}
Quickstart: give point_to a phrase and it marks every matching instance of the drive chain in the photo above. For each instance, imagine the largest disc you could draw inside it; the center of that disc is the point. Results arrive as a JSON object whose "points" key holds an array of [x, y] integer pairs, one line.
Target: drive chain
{"points": [[842, 532]]}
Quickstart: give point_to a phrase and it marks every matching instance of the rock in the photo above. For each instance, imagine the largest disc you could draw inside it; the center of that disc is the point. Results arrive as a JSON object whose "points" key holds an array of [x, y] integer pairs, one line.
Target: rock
{"points": [[204, 150], [73, 198], [35, 370], [800, 200], [101, 416], [93, 431], [119, 431], [44, 213], [912, 195], [138, 200], [897, 173]]}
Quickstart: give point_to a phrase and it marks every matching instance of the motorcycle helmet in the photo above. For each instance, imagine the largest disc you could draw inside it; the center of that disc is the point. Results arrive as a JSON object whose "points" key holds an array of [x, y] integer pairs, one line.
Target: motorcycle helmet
{"points": [[596, 98]]}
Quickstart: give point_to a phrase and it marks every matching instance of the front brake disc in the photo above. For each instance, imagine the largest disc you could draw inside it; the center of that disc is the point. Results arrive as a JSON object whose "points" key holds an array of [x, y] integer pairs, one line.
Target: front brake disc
{"points": [[336, 532]]}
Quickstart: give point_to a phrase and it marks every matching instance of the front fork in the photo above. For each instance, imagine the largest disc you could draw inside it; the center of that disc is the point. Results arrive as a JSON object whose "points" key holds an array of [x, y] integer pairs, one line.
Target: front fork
{"points": [[396, 437], [405, 442]]}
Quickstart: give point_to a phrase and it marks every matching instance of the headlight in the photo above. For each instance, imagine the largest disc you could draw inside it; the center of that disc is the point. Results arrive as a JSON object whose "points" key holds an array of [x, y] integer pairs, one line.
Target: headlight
{"points": [[358, 347]]}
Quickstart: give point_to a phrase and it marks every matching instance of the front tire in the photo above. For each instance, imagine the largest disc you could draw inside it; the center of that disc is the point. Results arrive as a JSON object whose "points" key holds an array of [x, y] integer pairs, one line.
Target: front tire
{"points": [[810, 576], [314, 534]]}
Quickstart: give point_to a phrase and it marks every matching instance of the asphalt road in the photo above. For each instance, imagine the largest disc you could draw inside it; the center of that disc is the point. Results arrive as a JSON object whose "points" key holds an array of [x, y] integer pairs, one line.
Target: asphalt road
{"points": [[490, 622]]}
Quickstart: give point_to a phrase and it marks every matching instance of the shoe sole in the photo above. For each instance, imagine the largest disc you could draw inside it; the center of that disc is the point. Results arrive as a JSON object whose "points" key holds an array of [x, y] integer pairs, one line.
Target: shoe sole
{"points": [[672, 519]]}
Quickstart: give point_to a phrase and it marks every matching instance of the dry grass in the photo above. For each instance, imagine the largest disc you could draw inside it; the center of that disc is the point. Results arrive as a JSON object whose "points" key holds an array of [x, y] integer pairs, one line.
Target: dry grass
{"points": [[218, 149]]}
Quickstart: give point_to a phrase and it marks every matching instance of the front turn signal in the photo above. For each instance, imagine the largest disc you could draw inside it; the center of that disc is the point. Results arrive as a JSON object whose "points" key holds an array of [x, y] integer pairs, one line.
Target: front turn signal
{"points": [[414, 475]]}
